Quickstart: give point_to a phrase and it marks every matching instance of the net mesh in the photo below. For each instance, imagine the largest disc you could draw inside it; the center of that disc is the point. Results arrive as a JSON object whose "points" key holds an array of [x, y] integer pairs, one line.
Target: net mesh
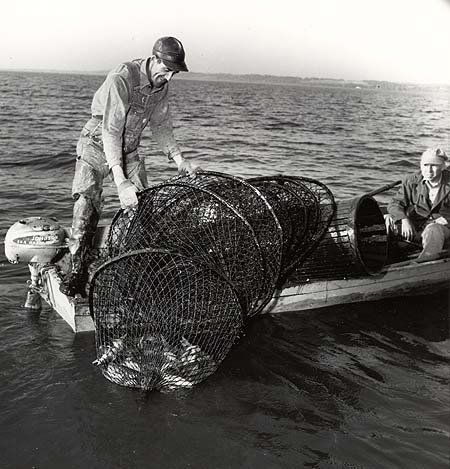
{"points": [[305, 207], [182, 273], [154, 333], [198, 223], [254, 207]]}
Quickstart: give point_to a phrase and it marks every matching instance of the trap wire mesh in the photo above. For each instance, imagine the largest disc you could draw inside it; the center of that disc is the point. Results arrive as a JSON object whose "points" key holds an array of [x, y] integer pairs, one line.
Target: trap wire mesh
{"points": [[198, 223], [163, 321], [191, 264], [248, 200], [306, 208]]}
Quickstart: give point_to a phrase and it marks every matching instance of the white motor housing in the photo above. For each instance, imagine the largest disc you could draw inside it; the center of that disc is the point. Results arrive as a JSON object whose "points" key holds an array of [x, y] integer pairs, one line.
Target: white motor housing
{"points": [[34, 239]]}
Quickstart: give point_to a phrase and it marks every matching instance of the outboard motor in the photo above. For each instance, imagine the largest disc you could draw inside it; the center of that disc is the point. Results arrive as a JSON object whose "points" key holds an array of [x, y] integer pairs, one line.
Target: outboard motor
{"points": [[35, 241]]}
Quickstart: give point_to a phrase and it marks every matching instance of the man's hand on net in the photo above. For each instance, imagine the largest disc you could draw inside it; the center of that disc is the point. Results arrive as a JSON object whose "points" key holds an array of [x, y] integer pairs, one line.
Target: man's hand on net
{"points": [[186, 167], [128, 195]]}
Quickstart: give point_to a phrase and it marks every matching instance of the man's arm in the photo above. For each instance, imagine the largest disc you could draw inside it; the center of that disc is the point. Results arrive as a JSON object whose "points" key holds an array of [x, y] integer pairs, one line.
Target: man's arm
{"points": [[114, 117], [162, 131], [399, 204], [398, 208], [116, 105], [125, 188]]}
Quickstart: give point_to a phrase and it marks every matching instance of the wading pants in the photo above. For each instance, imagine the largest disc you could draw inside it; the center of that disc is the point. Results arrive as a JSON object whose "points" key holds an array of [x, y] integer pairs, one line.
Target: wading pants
{"points": [[90, 171]]}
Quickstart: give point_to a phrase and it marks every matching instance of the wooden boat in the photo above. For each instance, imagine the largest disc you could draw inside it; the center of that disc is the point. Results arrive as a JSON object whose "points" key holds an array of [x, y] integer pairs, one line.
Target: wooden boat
{"points": [[357, 273], [400, 279], [395, 280], [363, 263]]}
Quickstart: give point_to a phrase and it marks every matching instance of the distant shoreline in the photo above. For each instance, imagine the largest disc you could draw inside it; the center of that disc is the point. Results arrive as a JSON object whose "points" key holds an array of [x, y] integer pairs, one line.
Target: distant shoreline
{"points": [[263, 79]]}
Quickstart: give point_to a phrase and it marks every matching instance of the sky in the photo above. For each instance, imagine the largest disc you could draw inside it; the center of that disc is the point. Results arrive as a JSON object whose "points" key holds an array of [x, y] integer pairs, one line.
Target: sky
{"points": [[392, 40]]}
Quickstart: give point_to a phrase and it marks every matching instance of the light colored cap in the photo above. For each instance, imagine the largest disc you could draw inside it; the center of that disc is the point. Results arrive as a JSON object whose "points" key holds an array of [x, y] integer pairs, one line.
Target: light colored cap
{"points": [[434, 156]]}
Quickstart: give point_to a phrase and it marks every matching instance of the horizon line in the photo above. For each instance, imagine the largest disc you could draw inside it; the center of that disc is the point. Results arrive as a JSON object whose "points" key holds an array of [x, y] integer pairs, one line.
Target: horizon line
{"points": [[266, 76]]}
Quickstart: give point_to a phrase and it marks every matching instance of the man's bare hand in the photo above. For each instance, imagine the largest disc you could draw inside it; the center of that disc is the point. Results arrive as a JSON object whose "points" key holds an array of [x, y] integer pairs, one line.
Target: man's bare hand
{"points": [[408, 230]]}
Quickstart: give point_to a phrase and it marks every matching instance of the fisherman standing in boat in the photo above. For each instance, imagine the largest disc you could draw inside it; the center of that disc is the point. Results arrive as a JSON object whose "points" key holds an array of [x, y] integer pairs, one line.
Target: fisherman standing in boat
{"points": [[133, 95], [421, 210]]}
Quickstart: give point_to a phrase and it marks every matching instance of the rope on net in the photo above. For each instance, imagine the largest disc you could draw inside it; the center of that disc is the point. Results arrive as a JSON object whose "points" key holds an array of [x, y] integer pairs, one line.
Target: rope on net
{"points": [[184, 271]]}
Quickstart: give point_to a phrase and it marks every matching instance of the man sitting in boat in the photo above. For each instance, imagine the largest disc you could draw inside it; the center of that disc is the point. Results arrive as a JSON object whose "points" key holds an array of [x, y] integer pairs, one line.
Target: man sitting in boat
{"points": [[421, 210], [133, 95]]}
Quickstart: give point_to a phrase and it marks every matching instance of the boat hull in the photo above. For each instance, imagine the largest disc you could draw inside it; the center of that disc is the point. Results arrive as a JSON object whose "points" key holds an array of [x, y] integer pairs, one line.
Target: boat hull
{"points": [[397, 280], [75, 311]]}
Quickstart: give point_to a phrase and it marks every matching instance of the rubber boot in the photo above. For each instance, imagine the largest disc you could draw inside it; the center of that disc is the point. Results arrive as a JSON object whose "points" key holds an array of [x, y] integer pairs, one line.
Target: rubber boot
{"points": [[84, 224], [75, 281]]}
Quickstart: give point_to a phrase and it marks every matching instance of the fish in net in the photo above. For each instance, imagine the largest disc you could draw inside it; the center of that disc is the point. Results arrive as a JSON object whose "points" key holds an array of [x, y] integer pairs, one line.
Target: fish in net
{"points": [[163, 321], [185, 270]]}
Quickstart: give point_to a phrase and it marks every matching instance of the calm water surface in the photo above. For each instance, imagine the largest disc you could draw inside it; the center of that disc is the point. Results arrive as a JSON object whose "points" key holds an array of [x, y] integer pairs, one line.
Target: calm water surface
{"points": [[357, 386]]}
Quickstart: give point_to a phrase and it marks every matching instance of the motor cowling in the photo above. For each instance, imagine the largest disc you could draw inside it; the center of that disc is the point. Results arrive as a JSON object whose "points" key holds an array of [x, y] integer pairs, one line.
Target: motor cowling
{"points": [[34, 239]]}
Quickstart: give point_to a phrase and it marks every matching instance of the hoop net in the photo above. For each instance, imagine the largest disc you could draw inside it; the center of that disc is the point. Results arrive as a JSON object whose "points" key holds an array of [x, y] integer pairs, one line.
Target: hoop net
{"points": [[187, 268]]}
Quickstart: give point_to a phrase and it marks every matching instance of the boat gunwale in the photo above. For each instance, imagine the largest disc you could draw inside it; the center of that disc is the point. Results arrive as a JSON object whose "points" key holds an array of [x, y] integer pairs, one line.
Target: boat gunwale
{"points": [[366, 280]]}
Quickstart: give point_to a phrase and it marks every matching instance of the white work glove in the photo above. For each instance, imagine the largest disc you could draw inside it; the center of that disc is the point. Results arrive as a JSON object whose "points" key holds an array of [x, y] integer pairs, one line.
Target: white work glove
{"points": [[185, 166], [128, 195]]}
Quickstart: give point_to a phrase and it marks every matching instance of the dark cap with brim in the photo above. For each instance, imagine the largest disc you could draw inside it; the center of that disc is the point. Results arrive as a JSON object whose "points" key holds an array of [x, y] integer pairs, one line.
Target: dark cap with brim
{"points": [[174, 66], [170, 50]]}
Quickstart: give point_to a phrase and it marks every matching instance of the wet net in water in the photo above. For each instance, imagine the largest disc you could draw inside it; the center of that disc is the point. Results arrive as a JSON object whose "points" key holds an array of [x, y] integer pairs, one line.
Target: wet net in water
{"points": [[190, 265], [154, 333]]}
